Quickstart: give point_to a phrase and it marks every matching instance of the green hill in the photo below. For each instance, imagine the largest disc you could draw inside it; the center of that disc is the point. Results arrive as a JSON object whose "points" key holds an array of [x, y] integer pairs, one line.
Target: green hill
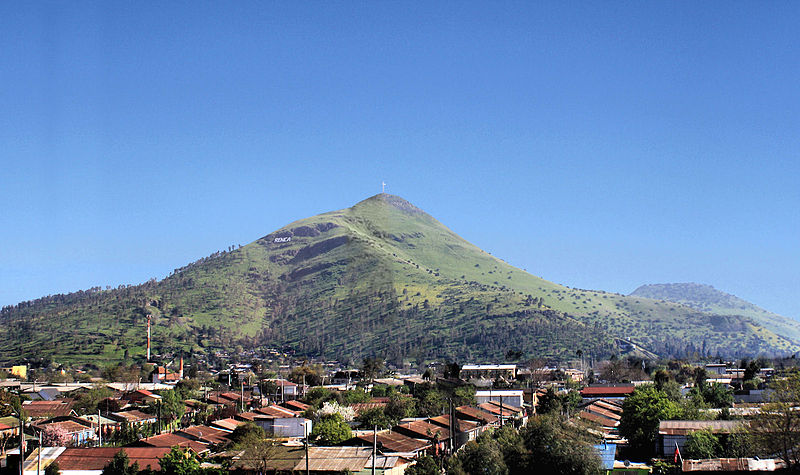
{"points": [[382, 277], [708, 299]]}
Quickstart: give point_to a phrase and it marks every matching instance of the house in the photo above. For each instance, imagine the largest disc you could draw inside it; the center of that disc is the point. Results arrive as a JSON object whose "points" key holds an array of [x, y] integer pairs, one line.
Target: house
{"points": [[284, 389], [506, 412], [92, 460], [284, 426], [478, 415], [229, 424], [171, 440], [737, 465], [206, 434], [672, 433], [439, 436], [320, 460], [295, 405], [81, 432], [613, 391], [390, 442], [465, 430], [512, 397], [141, 396], [46, 409], [488, 371], [134, 417]]}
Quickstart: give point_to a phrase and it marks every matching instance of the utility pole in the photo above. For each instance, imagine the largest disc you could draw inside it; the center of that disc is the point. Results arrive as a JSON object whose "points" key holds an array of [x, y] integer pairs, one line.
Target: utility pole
{"points": [[374, 446], [39, 455], [242, 396], [21, 442], [305, 440], [148, 337], [99, 430]]}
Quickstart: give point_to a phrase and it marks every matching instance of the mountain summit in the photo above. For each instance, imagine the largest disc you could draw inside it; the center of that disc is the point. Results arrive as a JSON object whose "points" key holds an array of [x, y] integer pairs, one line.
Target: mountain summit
{"points": [[379, 278]]}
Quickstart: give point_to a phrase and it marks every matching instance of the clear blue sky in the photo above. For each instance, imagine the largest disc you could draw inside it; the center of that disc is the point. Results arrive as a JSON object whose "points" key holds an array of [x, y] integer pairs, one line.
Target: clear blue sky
{"points": [[600, 145]]}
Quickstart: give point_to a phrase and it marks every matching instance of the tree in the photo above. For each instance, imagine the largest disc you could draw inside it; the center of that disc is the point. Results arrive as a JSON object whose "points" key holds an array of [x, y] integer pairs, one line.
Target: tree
{"points": [[702, 444], [331, 430], [375, 416], [776, 430], [372, 367], [482, 456], [179, 462], [258, 452], [549, 402], [244, 433], [400, 407], [55, 436], [425, 465], [308, 374], [641, 413], [332, 407], [560, 445], [53, 469], [120, 465], [718, 395]]}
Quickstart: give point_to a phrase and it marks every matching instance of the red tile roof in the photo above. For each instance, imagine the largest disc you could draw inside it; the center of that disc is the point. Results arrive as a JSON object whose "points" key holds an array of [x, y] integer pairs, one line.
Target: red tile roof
{"points": [[96, 458]]}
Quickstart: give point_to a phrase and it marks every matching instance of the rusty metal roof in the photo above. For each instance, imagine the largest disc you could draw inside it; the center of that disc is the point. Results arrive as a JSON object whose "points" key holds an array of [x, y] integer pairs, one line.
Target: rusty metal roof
{"points": [[395, 442], [96, 458], [685, 427]]}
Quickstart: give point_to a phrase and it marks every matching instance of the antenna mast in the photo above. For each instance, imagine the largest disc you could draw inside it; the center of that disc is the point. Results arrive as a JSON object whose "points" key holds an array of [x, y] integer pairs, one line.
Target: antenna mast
{"points": [[383, 187], [148, 337]]}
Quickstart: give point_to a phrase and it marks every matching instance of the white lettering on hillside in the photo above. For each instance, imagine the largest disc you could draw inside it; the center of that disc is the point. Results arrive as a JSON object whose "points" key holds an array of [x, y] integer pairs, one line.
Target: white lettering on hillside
{"points": [[283, 239]]}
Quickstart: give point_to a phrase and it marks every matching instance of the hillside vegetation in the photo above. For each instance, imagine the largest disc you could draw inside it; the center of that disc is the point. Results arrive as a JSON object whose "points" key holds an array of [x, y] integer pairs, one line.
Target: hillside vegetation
{"points": [[382, 277], [708, 299]]}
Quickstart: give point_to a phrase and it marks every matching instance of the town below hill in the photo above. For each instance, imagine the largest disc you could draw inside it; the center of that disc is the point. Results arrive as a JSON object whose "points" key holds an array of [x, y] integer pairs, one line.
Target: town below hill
{"points": [[253, 416]]}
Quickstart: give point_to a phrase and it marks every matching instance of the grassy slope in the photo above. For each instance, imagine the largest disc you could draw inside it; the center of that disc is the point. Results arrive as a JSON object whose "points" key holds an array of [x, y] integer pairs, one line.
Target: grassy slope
{"points": [[380, 277], [708, 299]]}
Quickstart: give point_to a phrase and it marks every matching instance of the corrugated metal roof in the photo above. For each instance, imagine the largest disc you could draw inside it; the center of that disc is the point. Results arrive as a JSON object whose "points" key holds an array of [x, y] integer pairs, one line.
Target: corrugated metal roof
{"points": [[95, 458], [395, 442], [685, 427]]}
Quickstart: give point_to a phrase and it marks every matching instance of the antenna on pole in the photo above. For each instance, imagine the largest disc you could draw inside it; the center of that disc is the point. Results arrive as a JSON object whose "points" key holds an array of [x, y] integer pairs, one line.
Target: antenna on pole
{"points": [[148, 337], [383, 187]]}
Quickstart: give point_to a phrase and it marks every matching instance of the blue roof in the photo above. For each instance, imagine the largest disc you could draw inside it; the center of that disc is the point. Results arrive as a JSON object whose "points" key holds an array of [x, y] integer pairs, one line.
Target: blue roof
{"points": [[607, 452]]}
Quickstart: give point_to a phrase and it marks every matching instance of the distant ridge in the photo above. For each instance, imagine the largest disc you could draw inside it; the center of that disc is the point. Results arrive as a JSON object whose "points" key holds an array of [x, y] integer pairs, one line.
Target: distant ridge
{"points": [[706, 298], [382, 277]]}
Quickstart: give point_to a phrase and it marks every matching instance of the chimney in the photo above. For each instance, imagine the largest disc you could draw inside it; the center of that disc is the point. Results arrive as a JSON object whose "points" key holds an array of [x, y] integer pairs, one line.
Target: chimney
{"points": [[180, 369]]}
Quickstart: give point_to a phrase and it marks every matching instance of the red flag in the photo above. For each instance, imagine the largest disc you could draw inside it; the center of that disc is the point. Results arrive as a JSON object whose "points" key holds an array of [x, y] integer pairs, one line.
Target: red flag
{"points": [[677, 454]]}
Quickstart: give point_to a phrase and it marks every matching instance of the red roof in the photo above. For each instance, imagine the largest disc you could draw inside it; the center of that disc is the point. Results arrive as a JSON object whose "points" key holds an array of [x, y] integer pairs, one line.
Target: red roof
{"points": [[276, 411], [595, 391], [205, 434], [295, 405], [170, 440], [135, 416], [96, 458], [423, 430], [39, 409], [394, 442]]}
